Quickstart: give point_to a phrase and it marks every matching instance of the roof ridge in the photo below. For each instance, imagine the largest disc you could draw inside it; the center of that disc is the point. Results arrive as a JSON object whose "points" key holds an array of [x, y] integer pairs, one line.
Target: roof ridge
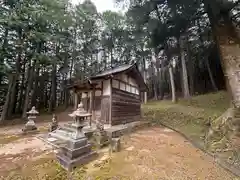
{"points": [[112, 70]]}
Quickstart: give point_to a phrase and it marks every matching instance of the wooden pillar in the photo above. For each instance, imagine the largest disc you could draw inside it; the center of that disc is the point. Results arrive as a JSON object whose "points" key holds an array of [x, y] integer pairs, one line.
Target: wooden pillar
{"points": [[93, 104], [90, 101], [87, 108], [90, 106], [110, 109], [145, 97], [75, 99], [145, 81]]}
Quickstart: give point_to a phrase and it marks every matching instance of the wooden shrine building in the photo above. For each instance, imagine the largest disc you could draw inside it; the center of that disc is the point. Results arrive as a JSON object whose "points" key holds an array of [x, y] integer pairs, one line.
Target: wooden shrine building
{"points": [[112, 96]]}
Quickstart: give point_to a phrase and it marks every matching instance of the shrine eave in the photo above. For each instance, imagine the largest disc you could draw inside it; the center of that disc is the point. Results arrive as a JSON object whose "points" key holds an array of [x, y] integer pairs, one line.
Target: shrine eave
{"points": [[87, 85]]}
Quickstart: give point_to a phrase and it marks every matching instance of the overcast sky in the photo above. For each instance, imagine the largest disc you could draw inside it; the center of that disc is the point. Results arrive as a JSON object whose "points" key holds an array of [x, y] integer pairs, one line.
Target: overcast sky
{"points": [[102, 5]]}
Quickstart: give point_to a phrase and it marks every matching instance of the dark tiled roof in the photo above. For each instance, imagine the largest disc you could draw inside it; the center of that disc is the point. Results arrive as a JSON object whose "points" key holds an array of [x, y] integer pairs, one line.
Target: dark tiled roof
{"points": [[113, 71]]}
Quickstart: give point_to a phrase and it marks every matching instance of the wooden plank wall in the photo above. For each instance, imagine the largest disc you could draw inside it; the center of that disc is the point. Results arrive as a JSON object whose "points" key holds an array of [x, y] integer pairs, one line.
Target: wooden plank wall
{"points": [[97, 106], [105, 109], [126, 107]]}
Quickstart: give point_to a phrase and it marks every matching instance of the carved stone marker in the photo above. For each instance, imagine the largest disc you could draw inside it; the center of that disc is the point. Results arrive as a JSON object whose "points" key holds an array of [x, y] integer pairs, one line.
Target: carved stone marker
{"points": [[54, 123], [100, 135], [30, 126]]}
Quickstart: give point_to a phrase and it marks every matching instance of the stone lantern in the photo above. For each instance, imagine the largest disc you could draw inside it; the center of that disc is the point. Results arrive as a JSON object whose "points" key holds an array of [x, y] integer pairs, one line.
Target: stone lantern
{"points": [[79, 117], [74, 149], [30, 125]]}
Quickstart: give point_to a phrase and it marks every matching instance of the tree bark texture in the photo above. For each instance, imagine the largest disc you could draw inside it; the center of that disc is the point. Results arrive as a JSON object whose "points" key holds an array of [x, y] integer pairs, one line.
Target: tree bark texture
{"points": [[7, 101], [227, 42], [28, 89], [228, 45], [214, 86], [186, 93], [172, 84]]}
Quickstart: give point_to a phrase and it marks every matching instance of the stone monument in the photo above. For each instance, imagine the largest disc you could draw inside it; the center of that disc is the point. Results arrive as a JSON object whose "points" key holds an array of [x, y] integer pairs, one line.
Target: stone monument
{"points": [[54, 124], [115, 144], [100, 135], [30, 126], [76, 149]]}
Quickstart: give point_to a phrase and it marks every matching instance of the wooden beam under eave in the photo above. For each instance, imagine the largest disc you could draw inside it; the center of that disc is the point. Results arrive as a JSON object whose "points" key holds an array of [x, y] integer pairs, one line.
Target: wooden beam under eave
{"points": [[87, 90]]}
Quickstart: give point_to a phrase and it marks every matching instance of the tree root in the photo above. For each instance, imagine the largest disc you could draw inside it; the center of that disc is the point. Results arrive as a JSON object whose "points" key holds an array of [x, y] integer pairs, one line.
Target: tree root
{"points": [[222, 130]]}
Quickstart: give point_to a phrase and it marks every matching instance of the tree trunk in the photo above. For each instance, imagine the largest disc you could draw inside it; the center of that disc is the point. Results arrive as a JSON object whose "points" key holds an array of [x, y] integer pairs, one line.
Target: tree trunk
{"points": [[186, 93], [66, 97], [145, 79], [74, 54], [35, 93], [21, 88], [7, 101], [52, 101], [174, 100], [28, 89], [214, 86], [227, 41], [14, 95], [154, 81], [158, 82], [11, 106], [3, 49], [191, 69]]}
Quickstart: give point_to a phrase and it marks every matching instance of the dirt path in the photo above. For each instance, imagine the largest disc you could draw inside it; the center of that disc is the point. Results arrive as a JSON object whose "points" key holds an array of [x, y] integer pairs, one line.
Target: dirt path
{"points": [[14, 155], [159, 153], [150, 154]]}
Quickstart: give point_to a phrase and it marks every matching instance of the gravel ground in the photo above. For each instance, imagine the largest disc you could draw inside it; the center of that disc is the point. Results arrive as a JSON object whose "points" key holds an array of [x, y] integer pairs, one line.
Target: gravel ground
{"points": [[150, 154], [159, 153]]}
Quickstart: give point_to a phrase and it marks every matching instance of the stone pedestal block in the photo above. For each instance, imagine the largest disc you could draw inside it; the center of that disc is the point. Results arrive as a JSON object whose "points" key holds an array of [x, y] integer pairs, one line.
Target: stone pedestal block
{"points": [[70, 164], [115, 144]]}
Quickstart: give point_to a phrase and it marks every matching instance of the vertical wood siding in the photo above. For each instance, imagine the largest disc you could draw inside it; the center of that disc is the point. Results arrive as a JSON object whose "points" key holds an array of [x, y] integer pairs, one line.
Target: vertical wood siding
{"points": [[126, 107], [105, 110]]}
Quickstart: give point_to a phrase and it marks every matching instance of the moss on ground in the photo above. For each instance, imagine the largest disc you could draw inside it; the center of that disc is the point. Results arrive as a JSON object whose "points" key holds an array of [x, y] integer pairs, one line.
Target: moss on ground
{"points": [[9, 138], [45, 168], [5, 139]]}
